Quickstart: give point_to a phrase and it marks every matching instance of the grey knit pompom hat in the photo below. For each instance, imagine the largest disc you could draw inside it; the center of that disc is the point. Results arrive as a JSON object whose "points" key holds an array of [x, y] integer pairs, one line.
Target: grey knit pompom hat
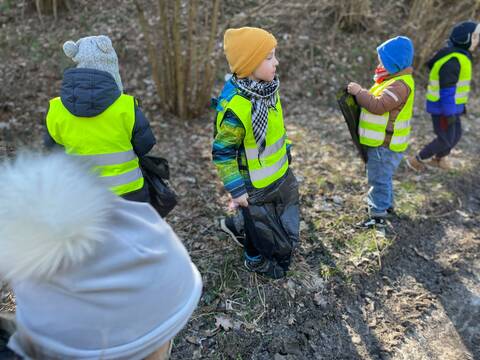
{"points": [[94, 52]]}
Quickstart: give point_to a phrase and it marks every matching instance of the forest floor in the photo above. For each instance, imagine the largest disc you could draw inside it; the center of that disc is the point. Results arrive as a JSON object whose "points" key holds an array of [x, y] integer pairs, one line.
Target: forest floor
{"points": [[350, 294]]}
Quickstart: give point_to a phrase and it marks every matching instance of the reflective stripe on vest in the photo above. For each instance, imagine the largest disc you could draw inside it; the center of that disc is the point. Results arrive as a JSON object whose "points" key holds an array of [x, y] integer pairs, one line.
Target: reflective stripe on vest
{"points": [[272, 164], [102, 141], [266, 172], [109, 159], [463, 84], [269, 150], [114, 181], [372, 128]]}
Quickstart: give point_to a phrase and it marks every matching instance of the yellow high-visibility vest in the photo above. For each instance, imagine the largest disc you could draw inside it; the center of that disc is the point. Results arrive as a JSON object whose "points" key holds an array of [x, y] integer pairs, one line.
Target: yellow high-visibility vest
{"points": [[463, 83], [372, 128], [272, 164], [103, 140]]}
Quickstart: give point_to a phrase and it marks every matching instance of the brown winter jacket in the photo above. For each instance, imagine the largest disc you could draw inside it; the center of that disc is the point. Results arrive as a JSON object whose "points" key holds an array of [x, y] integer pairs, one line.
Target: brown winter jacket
{"points": [[391, 100]]}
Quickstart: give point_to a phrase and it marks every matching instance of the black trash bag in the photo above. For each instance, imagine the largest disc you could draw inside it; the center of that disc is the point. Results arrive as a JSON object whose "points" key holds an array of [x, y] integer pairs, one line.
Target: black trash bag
{"points": [[5, 352], [351, 113], [272, 221], [6, 330], [156, 173]]}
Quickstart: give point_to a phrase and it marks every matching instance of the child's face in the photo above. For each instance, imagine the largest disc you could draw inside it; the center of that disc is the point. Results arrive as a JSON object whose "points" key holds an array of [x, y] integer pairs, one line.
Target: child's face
{"points": [[267, 69], [475, 38]]}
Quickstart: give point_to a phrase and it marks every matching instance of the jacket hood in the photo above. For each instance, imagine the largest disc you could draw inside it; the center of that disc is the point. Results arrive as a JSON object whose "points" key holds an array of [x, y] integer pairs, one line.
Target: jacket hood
{"points": [[461, 35], [396, 54], [228, 92], [45, 224], [88, 92]]}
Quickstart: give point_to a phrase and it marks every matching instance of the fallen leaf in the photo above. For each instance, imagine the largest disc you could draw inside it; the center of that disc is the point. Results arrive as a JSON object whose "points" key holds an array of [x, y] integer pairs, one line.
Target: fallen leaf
{"points": [[223, 322], [195, 340]]}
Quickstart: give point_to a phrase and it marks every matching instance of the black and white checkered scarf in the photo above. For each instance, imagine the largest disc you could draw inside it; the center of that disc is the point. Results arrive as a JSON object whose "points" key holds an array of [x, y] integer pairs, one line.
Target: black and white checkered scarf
{"points": [[263, 96]]}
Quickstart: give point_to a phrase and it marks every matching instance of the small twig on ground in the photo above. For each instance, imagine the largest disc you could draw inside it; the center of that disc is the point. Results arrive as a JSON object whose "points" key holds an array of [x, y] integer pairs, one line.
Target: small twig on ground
{"points": [[378, 253], [436, 216], [421, 254]]}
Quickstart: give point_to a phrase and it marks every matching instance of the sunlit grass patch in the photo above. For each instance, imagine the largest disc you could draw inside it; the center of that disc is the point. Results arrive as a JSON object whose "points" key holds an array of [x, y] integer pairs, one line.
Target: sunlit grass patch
{"points": [[327, 271], [409, 199]]}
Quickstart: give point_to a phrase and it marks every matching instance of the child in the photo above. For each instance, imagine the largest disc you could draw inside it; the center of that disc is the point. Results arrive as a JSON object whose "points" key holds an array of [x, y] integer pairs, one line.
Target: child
{"points": [[384, 126], [447, 95], [95, 276], [93, 119], [251, 153]]}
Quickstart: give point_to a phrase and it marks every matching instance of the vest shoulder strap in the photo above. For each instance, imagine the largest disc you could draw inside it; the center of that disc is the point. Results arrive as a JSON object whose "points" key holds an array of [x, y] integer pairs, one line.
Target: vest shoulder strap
{"points": [[241, 107], [127, 101], [55, 103], [462, 59], [460, 55]]}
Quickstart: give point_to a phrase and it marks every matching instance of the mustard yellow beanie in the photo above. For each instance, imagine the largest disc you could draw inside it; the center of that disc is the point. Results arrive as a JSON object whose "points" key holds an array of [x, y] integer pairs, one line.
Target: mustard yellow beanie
{"points": [[246, 48]]}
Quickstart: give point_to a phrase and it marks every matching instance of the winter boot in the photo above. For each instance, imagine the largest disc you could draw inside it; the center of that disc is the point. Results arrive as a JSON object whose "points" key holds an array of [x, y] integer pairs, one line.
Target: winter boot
{"points": [[441, 163], [263, 266], [415, 163], [371, 223]]}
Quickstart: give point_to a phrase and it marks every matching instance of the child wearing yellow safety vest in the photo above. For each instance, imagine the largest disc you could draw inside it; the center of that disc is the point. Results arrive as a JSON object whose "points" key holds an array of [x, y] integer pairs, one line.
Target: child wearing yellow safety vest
{"points": [[251, 153], [385, 123], [94, 120], [447, 95]]}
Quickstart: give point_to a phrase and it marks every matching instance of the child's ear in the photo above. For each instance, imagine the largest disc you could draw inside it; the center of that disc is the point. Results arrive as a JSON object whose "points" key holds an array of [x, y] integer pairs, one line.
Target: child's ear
{"points": [[104, 43], [70, 48]]}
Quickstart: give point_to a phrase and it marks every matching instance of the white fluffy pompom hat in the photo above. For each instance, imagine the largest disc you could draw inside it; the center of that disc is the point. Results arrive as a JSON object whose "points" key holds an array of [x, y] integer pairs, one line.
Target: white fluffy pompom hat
{"points": [[52, 212]]}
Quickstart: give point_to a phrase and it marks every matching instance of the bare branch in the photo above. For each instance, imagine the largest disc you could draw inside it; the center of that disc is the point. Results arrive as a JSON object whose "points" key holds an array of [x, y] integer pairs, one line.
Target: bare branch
{"points": [[178, 61], [191, 66], [152, 56], [167, 54], [209, 64]]}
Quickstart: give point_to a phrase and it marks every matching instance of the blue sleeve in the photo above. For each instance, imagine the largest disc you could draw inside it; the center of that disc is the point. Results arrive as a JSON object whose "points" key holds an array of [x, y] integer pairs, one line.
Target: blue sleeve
{"points": [[225, 149], [448, 78], [143, 139], [49, 143]]}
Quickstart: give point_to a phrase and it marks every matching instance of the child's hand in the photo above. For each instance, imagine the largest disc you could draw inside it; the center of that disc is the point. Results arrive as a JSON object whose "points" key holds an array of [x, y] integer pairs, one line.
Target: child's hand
{"points": [[353, 88], [239, 201]]}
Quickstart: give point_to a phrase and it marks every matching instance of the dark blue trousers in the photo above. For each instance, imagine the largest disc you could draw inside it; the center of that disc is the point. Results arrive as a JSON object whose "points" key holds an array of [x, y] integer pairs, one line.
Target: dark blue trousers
{"points": [[448, 135]]}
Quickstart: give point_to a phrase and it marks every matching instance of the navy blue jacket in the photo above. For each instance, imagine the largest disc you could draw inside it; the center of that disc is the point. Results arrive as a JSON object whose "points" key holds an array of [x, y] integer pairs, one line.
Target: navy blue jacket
{"points": [[448, 77], [88, 93]]}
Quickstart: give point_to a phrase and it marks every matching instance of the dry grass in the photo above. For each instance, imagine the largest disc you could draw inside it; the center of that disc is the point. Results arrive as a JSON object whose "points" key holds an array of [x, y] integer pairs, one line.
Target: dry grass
{"points": [[181, 42], [351, 15], [182, 39], [429, 23], [50, 7]]}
